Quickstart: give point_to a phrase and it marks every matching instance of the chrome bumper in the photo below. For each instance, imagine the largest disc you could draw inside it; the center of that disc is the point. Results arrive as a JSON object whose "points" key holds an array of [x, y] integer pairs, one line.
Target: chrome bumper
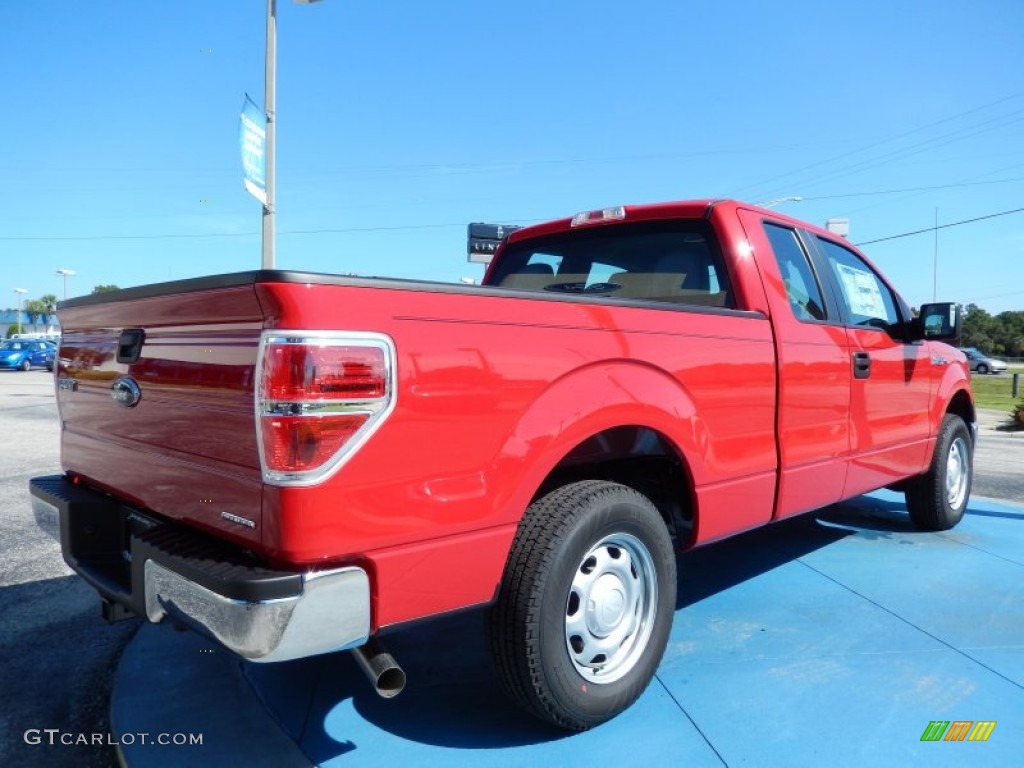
{"points": [[47, 517], [321, 612], [331, 614]]}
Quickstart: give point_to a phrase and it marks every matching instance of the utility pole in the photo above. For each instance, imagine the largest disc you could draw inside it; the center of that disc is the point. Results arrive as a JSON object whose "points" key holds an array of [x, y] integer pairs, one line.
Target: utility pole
{"points": [[270, 136], [270, 107]]}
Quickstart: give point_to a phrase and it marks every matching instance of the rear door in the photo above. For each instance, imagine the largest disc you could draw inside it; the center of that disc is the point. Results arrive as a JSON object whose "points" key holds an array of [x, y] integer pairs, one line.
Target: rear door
{"points": [[892, 378], [813, 370]]}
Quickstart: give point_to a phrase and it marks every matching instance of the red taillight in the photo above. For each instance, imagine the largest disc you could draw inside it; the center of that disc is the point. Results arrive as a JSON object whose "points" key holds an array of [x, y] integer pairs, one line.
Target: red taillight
{"points": [[318, 397], [297, 444], [310, 373]]}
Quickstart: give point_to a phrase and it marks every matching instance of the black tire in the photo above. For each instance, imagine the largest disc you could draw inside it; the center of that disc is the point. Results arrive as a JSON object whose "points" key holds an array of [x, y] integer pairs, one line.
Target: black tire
{"points": [[26, 365], [604, 541], [937, 499], [982, 369]]}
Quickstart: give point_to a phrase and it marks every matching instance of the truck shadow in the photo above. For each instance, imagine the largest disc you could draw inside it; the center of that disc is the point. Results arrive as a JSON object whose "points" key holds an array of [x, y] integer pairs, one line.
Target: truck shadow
{"points": [[453, 698]]}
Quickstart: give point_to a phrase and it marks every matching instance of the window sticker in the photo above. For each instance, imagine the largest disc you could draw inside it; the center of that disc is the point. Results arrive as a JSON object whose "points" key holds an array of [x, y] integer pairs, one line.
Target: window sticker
{"points": [[862, 292]]}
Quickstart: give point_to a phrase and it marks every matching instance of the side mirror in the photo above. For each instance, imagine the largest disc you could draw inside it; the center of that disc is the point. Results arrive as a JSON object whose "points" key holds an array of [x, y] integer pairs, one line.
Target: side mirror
{"points": [[939, 322]]}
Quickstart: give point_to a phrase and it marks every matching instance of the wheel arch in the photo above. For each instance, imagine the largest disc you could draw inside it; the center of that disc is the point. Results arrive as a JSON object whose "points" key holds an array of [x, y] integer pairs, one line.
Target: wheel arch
{"points": [[621, 421], [640, 458], [962, 405], [953, 395]]}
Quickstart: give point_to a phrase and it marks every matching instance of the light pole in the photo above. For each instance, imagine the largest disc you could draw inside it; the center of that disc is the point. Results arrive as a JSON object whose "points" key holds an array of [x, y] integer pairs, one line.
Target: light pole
{"points": [[780, 200], [21, 292], [65, 273], [270, 107]]}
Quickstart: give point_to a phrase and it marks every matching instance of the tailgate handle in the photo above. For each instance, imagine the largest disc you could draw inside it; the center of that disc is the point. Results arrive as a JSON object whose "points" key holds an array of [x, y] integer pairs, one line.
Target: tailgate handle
{"points": [[129, 345]]}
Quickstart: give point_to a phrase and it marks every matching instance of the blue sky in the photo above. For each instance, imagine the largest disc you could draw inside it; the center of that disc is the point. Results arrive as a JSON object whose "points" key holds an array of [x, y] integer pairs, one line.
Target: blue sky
{"points": [[400, 122]]}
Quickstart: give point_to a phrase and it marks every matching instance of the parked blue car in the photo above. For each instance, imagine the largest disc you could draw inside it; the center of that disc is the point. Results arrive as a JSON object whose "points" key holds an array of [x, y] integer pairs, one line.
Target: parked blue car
{"points": [[23, 354]]}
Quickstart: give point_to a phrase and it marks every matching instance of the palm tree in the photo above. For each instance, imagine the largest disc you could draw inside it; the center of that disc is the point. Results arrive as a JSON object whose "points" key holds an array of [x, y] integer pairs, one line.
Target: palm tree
{"points": [[50, 300], [35, 309]]}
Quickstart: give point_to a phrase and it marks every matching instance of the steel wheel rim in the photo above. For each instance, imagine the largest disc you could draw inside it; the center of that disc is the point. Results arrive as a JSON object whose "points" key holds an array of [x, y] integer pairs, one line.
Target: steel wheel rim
{"points": [[611, 608], [956, 473]]}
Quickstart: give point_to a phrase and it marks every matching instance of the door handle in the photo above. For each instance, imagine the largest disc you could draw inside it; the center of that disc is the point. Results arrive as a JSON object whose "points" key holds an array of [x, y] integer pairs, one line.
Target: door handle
{"points": [[861, 365]]}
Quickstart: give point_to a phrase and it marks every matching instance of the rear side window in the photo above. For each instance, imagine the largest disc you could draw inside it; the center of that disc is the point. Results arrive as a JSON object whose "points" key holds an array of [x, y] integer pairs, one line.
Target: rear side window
{"points": [[868, 300], [802, 287], [675, 261]]}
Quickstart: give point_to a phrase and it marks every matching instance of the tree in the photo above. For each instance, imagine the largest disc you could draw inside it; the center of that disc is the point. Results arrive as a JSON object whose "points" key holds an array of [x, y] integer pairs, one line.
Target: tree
{"points": [[1010, 333], [105, 288], [979, 329], [999, 335], [36, 310]]}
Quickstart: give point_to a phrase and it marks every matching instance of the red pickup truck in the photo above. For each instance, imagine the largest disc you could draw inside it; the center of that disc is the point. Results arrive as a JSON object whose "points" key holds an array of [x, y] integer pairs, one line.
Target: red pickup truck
{"points": [[292, 462]]}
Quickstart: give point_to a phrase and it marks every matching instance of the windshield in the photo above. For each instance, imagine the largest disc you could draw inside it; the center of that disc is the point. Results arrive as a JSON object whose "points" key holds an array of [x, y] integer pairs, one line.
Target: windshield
{"points": [[675, 261]]}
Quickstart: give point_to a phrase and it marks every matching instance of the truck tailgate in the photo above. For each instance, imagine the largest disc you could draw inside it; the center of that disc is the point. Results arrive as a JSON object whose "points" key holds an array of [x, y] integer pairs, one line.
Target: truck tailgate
{"points": [[156, 402]]}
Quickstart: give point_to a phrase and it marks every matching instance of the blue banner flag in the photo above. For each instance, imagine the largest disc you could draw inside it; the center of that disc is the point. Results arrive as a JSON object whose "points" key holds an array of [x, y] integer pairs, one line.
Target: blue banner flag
{"points": [[252, 136]]}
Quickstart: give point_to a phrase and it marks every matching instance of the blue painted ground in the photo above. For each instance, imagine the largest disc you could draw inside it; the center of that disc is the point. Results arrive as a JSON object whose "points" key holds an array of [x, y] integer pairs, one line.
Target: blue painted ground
{"points": [[833, 639]]}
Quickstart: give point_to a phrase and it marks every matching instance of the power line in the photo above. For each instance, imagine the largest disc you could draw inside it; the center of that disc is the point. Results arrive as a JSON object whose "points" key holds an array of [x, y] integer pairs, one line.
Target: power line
{"points": [[248, 234], [943, 226], [887, 140], [912, 189], [926, 145], [402, 227]]}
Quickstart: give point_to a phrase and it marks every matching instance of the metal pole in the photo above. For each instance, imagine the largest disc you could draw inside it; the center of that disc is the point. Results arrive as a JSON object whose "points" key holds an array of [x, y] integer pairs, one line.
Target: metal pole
{"points": [[935, 260], [270, 107], [21, 295]]}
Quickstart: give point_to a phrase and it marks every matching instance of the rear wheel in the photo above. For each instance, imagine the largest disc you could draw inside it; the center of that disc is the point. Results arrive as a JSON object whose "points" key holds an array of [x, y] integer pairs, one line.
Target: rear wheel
{"points": [[26, 365], [585, 604], [982, 369], [937, 499]]}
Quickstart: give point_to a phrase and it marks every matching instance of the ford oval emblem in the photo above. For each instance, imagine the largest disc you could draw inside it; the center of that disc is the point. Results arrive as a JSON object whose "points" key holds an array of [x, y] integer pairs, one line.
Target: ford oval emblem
{"points": [[126, 392]]}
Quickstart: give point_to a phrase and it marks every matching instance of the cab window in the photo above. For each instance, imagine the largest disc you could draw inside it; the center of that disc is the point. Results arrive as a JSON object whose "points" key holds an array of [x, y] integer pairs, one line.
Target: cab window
{"points": [[867, 299], [674, 261], [802, 288]]}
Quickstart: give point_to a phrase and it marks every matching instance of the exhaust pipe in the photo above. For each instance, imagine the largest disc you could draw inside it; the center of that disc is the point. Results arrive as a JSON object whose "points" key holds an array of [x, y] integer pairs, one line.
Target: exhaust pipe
{"points": [[380, 666]]}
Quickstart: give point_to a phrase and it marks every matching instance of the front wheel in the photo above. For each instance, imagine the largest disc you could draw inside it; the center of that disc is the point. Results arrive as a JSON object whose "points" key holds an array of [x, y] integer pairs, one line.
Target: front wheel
{"points": [[937, 499], [585, 604]]}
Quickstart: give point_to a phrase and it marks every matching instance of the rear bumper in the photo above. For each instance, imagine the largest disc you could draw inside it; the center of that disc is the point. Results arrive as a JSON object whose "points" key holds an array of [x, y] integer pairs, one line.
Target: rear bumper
{"points": [[157, 569]]}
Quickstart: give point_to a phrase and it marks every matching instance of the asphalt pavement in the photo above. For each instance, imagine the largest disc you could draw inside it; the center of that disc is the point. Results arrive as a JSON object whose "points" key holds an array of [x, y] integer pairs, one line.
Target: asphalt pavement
{"points": [[58, 656], [999, 457]]}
